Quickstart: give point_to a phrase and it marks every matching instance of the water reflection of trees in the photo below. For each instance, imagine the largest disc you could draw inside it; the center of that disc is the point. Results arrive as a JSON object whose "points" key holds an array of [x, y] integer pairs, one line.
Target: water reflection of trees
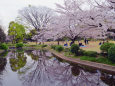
{"points": [[4, 54], [34, 56], [37, 69], [108, 79], [3, 63], [51, 72], [17, 60]]}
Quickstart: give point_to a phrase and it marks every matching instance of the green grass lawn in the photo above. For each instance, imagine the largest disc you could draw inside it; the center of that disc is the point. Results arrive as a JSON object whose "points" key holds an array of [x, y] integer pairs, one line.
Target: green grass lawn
{"points": [[92, 46]]}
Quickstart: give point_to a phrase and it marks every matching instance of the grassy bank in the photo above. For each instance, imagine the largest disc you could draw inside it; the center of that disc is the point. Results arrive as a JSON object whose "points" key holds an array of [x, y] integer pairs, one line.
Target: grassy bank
{"points": [[98, 58], [66, 52]]}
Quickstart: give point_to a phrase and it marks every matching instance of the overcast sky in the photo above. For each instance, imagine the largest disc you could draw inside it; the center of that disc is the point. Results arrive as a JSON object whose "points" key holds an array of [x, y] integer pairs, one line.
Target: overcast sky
{"points": [[9, 8]]}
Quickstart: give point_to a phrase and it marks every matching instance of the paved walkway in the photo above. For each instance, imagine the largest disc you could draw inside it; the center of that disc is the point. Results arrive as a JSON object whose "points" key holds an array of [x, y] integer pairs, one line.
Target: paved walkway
{"points": [[103, 67]]}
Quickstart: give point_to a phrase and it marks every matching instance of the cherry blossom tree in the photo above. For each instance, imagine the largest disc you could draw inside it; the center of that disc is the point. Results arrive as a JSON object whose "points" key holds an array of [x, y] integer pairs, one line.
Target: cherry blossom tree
{"points": [[73, 21], [76, 21], [69, 17], [53, 31], [38, 18], [92, 22], [105, 12]]}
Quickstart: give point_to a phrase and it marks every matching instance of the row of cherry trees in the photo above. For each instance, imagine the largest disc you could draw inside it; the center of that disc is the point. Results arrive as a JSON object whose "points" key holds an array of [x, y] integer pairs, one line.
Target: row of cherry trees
{"points": [[73, 19], [93, 21]]}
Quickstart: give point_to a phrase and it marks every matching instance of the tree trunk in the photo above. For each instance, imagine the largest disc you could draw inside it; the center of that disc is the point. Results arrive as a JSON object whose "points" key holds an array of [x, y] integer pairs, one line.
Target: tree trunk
{"points": [[36, 42], [39, 43], [73, 41], [58, 43]]}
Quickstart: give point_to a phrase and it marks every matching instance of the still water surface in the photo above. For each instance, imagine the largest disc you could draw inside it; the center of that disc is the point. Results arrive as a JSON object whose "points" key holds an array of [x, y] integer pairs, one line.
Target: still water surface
{"points": [[41, 68]]}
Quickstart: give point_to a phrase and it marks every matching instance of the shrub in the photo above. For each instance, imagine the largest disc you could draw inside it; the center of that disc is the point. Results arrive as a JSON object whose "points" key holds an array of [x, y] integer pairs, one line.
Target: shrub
{"points": [[59, 48], [74, 49], [90, 53], [103, 60], [104, 47], [81, 52], [3, 46], [98, 60], [111, 53], [19, 45], [53, 47], [44, 46]]}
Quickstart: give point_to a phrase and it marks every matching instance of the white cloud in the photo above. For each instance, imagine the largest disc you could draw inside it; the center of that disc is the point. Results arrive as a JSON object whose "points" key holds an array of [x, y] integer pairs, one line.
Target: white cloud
{"points": [[9, 8]]}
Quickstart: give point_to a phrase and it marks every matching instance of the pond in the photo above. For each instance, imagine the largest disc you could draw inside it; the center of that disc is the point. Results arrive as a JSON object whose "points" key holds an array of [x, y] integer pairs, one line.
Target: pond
{"points": [[41, 68]]}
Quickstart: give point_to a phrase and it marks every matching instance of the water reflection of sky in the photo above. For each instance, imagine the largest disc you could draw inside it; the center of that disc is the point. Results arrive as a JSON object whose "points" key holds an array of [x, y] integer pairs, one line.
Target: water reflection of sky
{"points": [[41, 69]]}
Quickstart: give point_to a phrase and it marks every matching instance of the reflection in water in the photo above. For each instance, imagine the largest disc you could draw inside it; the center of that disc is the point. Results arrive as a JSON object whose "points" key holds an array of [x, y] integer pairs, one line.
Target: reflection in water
{"points": [[33, 54], [51, 72], [75, 70], [4, 54], [17, 60], [3, 63], [108, 79], [39, 68]]}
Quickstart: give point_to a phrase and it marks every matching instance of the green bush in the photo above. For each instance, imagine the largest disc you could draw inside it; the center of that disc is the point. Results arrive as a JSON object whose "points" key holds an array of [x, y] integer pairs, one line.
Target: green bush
{"points": [[74, 49], [3, 46], [53, 47], [103, 60], [104, 47], [44, 46], [90, 53], [19, 45], [59, 48], [81, 52], [111, 53]]}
